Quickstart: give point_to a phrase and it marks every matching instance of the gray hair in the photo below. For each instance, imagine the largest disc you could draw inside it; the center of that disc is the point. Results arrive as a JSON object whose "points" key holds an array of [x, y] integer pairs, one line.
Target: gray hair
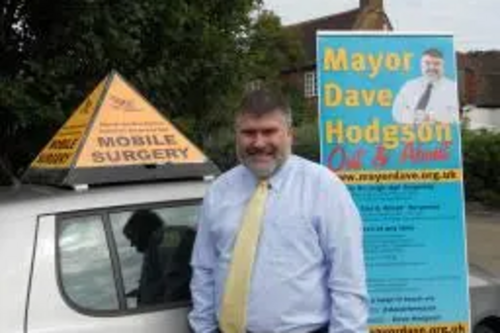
{"points": [[263, 101], [433, 52]]}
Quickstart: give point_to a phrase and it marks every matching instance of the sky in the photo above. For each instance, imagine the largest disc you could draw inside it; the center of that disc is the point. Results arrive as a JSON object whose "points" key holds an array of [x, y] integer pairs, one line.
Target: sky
{"points": [[474, 23]]}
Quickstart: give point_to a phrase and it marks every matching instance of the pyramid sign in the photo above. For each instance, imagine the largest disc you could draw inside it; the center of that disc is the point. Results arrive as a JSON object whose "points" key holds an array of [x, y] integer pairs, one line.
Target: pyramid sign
{"points": [[116, 135]]}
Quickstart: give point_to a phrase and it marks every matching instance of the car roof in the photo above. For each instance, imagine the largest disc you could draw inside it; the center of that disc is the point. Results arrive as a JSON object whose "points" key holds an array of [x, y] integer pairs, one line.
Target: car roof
{"points": [[9, 194], [41, 200], [28, 192]]}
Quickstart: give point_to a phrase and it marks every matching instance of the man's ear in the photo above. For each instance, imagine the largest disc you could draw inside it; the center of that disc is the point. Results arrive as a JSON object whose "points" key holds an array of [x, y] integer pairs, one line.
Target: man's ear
{"points": [[291, 133]]}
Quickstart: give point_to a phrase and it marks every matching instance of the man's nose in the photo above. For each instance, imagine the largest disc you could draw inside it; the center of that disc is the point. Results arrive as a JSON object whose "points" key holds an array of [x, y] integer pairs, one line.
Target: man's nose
{"points": [[259, 140]]}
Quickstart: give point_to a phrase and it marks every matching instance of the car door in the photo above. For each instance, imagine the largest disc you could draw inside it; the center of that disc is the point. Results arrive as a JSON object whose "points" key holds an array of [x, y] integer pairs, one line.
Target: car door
{"points": [[91, 275]]}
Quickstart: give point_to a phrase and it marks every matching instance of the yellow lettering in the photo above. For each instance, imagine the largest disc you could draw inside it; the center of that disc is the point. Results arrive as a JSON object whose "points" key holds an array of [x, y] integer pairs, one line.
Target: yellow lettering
{"points": [[393, 62], [358, 62], [385, 98], [408, 133], [333, 94], [371, 63], [425, 133], [354, 134], [352, 98], [407, 61], [335, 61], [373, 132], [332, 131], [368, 96], [391, 139], [375, 64], [390, 136], [443, 132]]}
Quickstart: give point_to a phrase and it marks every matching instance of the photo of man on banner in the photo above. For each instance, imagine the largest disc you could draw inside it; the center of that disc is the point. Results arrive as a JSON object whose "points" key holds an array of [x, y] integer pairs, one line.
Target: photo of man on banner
{"points": [[429, 98]]}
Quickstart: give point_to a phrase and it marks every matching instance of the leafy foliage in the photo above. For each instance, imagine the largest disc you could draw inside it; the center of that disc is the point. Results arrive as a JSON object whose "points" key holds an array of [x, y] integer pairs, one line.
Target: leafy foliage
{"points": [[186, 56], [191, 59], [269, 49], [481, 151], [306, 143], [272, 49]]}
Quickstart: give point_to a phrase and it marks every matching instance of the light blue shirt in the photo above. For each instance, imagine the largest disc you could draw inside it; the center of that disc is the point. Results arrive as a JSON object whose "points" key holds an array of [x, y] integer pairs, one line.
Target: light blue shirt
{"points": [[442, 106], [309, 268]]}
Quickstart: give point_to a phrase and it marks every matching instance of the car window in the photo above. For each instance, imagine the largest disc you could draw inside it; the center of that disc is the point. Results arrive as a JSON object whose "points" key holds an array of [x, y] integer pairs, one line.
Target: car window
{"points": [[85, 264], [127, 259], [154, 248]]}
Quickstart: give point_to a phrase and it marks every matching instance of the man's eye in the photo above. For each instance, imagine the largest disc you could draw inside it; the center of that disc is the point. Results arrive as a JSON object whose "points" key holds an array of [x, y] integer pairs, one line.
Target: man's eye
{"points": [[248, 134], [269, 132]]}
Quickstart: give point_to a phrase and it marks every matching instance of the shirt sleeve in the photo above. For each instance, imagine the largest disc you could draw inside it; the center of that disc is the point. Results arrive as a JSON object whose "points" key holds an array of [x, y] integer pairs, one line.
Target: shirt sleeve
{"points": [[401, 109], [342, 241], [448, 111], [202, 318]]}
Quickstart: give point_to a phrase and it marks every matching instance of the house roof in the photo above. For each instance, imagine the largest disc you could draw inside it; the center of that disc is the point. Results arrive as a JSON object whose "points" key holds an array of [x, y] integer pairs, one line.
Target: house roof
{"points": [[484, 67], [488, 90], [307, 30]]}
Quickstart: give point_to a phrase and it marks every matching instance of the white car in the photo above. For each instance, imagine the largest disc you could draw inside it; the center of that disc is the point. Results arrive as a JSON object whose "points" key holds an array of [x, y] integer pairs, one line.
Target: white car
{"points": [[70, 264], [485, 300]]}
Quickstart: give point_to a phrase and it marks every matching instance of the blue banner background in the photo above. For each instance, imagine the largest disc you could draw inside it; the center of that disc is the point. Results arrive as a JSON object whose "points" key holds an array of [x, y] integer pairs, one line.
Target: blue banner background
{"points": [[414, 232]]}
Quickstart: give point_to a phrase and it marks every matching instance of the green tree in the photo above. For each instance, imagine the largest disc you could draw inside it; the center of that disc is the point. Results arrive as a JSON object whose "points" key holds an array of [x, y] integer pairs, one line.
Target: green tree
{"points": [[481, 157], [275, 50], [272, 49], [188, 57], [269, 49]]}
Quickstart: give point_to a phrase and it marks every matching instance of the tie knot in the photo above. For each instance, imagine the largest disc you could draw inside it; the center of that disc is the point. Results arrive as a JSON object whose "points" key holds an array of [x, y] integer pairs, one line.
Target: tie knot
{"points": [[263, 184]]}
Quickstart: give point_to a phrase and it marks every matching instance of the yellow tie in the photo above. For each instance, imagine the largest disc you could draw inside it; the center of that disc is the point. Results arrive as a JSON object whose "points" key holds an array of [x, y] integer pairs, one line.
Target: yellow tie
{"points": [[233, 315]]}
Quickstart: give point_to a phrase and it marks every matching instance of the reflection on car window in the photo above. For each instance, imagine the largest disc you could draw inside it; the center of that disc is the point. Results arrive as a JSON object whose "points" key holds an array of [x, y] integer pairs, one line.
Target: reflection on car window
{"points": [[85, 265], [155, 248]]}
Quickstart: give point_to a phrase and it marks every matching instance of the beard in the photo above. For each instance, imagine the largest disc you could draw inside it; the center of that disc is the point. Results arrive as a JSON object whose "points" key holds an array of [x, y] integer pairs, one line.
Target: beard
{"points": [[250, 158], [432, 75]]}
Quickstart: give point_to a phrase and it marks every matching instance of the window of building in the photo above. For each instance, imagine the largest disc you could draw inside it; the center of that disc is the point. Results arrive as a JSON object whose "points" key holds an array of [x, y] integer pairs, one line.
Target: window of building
{"points": [[310, 84], [128, 259], [254, 85]]}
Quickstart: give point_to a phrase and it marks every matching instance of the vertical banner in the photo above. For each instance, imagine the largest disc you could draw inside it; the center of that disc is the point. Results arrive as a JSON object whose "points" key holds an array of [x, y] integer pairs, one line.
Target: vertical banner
{"points": [[389, 126]]}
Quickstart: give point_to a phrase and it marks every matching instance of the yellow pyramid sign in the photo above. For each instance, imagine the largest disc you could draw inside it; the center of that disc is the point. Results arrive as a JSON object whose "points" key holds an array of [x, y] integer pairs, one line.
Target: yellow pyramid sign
{"points": [[62, 148], [116, 128]]}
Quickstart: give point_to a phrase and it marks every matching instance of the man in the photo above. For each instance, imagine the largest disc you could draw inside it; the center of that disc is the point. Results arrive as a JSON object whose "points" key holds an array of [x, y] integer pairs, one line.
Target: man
{"points": [[307, 272], [165, 272], [429, 98]]}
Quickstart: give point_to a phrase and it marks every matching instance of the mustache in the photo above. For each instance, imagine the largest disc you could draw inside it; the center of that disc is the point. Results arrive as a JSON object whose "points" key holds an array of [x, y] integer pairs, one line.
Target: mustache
{"points": [[256, 151]]}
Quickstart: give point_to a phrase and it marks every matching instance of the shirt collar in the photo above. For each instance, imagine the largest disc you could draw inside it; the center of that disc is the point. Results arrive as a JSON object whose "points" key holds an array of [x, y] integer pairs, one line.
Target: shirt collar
{"points": [[426, 81]]}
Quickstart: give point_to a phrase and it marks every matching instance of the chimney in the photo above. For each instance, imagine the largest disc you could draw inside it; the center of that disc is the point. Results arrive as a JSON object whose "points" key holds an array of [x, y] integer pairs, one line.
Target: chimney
{"points": [[377, 4], [372, 16]]}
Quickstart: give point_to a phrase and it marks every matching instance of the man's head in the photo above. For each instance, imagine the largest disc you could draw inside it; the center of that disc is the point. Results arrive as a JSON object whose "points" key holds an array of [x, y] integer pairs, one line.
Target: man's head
{"points": [[432, 64], [139, 228], [263, 132]]}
